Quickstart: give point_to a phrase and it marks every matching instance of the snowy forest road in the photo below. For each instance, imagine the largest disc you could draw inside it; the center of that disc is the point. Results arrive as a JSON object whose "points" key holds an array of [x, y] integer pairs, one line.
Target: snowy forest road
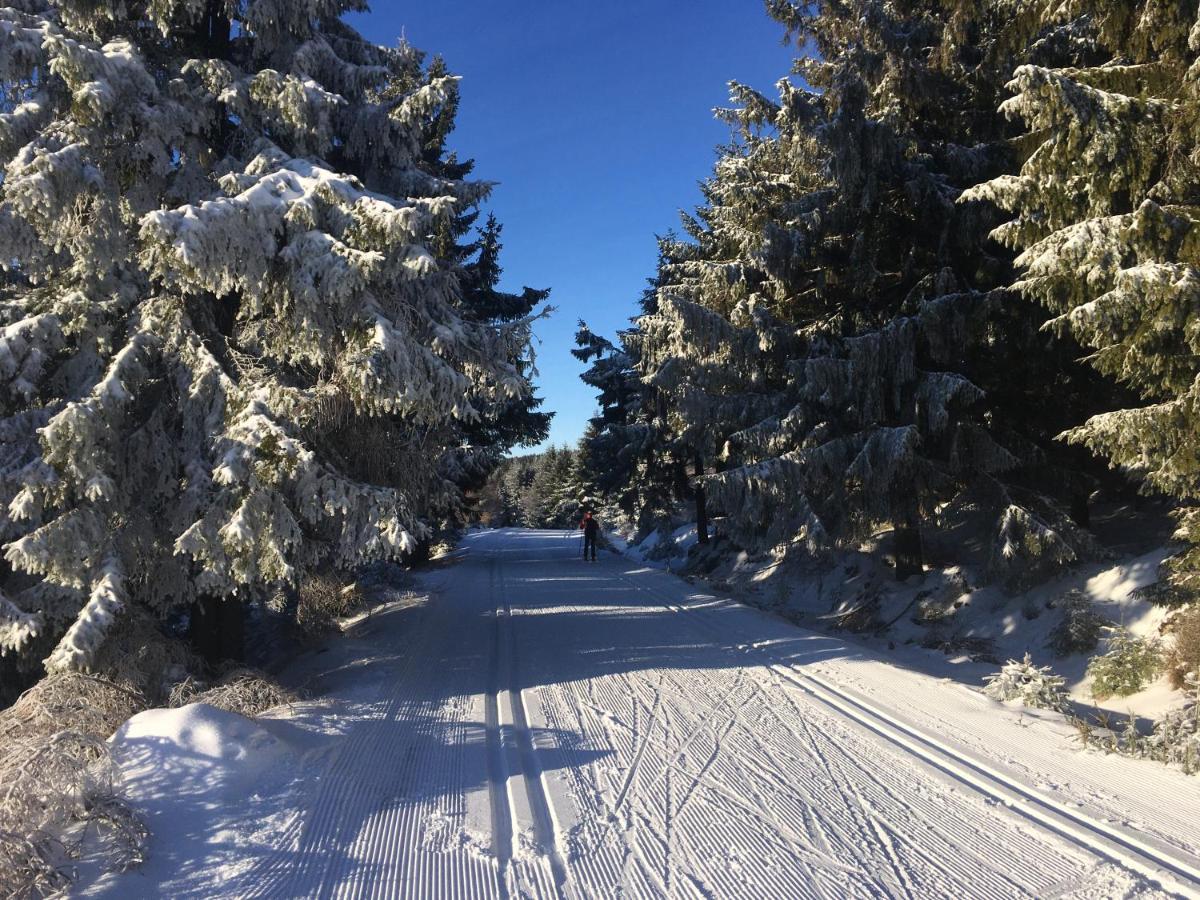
{"points": [[549, 727]]}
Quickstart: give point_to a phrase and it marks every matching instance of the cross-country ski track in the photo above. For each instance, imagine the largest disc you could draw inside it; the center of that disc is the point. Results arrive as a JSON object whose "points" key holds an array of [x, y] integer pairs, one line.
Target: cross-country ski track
{"points": [[542, 726]]}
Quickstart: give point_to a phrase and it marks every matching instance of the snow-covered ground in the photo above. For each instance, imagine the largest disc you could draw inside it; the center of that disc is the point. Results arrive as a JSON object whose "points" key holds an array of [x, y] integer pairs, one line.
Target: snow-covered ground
{"points": [[657, 549], [542, 726], [983, 625]]}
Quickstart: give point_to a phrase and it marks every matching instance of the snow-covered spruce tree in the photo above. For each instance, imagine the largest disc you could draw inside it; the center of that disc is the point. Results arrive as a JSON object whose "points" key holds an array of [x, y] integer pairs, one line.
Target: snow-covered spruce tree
{"points": [[518, 474], [1105, 214], [505, 421], [1032, 685], [213, 222], [473, 446], [827, 329], [1176, 736], [626, 457], [509, 513], [551, 499], [711, 348], [1127, 666]]}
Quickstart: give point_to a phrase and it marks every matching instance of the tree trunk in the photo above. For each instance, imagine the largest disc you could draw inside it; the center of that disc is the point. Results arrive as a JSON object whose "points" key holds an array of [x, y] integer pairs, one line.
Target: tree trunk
{"points": [[679, 482], [421, 554], [233, 630], [1080, 512], [910, 557], [202, 629], [218, 629], [218, 29], [701, 504]]}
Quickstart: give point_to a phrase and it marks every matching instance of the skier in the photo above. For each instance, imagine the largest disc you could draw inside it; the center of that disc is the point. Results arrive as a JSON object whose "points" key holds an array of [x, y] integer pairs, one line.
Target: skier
{"points": [[591, 529]]}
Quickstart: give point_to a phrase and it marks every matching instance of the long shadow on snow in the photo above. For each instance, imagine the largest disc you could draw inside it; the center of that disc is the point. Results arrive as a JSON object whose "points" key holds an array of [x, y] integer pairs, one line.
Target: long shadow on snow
{"points": [[620, 608], [576, 620], [376, 754], [357, 783]]}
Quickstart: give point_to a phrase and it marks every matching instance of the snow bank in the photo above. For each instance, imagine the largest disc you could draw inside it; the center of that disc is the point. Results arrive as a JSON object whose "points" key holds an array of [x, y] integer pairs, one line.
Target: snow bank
{"points": [[659, 549], [205, 756], [211, 785], [202, 733], [946, 622]]}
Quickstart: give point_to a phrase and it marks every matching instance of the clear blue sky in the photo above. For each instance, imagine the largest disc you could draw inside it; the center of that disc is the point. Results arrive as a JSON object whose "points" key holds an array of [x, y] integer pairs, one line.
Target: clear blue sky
{"points": [[596, 121]]}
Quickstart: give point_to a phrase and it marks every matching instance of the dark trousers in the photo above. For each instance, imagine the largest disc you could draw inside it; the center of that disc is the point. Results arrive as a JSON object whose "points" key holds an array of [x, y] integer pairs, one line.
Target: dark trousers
{"points": [[589, 540]]}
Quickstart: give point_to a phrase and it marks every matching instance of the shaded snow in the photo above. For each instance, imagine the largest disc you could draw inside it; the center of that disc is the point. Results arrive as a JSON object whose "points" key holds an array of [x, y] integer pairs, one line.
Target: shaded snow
{"points": [[981, 621], [659, 549]]}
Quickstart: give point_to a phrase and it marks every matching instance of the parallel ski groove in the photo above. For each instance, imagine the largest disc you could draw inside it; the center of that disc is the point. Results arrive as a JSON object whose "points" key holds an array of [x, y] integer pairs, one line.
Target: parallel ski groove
{"points": [[365, 832], [544, 832], [995, 784], [502, 819], [935, 867]]}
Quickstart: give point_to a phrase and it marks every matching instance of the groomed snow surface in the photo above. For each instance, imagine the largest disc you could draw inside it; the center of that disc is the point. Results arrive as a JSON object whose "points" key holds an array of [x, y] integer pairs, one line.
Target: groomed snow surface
{"points": [[544, 727]]}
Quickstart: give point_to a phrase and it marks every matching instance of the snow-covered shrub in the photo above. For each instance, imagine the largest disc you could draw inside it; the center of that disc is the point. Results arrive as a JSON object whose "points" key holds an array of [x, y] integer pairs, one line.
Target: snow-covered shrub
{"points": [[56, 782], [859, 614], [1176, 737], [69, 701], [1184, 657], [51, 793], [324, 598], [247, 692], [958, 642], [1079, 629], [1032, 685], [1129, 665], [1033, 541], [931, 608], [940, 603]]}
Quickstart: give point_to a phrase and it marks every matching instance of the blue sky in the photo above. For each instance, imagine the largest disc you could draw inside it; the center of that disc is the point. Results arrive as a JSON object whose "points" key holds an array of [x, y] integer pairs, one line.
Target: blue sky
{"points": [[596, 121]]}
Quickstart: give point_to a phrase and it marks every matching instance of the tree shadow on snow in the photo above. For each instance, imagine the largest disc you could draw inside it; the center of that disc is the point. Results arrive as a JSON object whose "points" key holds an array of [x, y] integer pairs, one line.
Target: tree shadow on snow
{"points": [[310, 809]]}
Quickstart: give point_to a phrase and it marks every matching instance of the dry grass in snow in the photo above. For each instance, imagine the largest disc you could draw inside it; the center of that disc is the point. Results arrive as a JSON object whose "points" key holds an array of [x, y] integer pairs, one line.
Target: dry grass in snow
{"points": [[244, 691], [58, 787]]}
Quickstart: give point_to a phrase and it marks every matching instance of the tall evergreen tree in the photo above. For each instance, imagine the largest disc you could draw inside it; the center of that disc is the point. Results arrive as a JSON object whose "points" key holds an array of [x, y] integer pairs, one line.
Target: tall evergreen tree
{"points": [[214, 222], [475, 446], [831, 333], [514, 421], [1107, 216], [509, 513], [614, 439], [629, 445]]}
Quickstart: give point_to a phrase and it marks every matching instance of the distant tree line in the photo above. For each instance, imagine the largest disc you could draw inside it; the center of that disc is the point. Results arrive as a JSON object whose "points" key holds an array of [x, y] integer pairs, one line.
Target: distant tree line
{"points": [[539, 490]]}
